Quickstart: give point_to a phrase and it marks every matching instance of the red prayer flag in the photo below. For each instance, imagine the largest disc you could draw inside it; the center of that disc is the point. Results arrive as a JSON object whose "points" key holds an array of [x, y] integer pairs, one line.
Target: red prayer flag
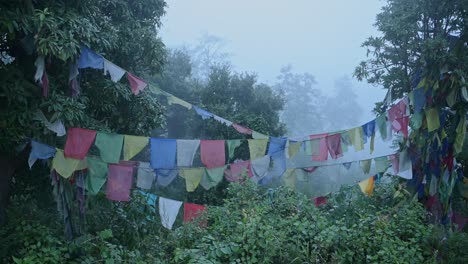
{"points": [[79, 140], [212, 153], [234, 174], [192, 211], [119, 182], [241, 129], [320, 200], [323, 149], [397, 111], [136, 83], [334, 146]]}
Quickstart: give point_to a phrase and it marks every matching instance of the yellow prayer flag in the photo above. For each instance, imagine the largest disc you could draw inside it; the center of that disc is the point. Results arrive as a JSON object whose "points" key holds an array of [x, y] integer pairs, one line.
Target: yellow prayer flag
{"points": [[294, 148], [356, 138], [289, 178], [192, 177], [257, 147], [367, 186], [133, 145], [66, 166], [174, 100], [432, 119]]}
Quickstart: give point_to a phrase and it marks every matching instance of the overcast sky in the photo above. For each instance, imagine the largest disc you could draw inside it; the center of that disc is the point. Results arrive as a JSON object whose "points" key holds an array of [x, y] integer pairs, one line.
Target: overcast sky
{"points": [[319, 37]]}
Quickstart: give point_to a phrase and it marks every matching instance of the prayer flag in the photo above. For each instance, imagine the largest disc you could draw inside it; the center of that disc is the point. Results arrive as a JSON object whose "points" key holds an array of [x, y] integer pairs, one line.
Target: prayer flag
{"points": [[133, 145], [257, 147], [119, 182], [334, 146], [79, 140], [97, 175], [192, 177], [241, 129], [40, 151], [232, 145], [116, 73], [186, 150], [168, 211], [212, 153], [367, 186], [66, 166], [89, 59], [237, 170], [165, 176], [163, 153], [192, 211], [110, 146], [145, 176], [136, 84], [212, 177]]}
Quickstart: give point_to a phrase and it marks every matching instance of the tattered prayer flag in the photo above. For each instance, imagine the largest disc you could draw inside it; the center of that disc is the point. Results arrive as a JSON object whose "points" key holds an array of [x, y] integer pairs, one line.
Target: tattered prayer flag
{"points": [[241, 129], [257, 135], [119, 182], [212, 153], [381, 164], [203, 113], [367, 186], [365, 165], [116, 73], [289, 178], [212, 177], [257, 147], [237, 171], [419, 99], [145, 176], [356, 138], [97, 175], [334, 145], [395, 163], [416, 120], [168, 211], [79, 140], [40, 66], [397, 111], [136, 84], [294, 148], [460, 133], [174, 100], [66, 166], [192, 177], [345, 141], [401, 125], [110, 146], [40, 151], [381, 122], [260, 168], [133, 145], [432, 119], [186, 150], [192, 211], [89, 59], [164, 177], [232, 145], [163, 153], [276, 150], [368, 129]]}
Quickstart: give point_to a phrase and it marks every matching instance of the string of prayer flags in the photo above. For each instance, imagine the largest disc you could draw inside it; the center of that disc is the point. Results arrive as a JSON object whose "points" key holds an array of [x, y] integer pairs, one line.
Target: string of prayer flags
{"points": [[133, 145], [79, 140], [212, 153], [186, 150], [66, 166], [356, 138], [212, 177], [319, 142], [163, 153], [192, 211], [168, 211], [260, 168], [203, 113], [110, 146], [116, 73], [241, 129], [232, 145], [334, 146], [145, 176], [367, 186], [136, 84], [165, 176], [257, 147], [119, 182], [192, 177], [365, 165], [236, 171], [89, 59], [97, 175], [40, 151]]}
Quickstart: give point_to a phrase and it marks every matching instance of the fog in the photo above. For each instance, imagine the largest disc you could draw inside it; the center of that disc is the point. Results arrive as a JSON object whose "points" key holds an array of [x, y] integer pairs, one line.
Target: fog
{"points": [[320, 38]]}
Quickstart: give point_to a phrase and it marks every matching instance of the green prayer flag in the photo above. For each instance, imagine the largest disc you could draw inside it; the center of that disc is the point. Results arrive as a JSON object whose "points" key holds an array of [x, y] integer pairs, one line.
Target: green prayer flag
{"points": [[345, 141], [232, 145], [416, 120], [110, 146], [97, 175], [460, 134], [257, 147], [356, 138], [432, 119], [365, 165], [212, 177], [381, 164], [381, 123]]}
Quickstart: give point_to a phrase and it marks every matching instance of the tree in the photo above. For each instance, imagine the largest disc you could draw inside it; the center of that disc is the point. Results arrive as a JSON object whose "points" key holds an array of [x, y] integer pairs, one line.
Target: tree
{"points": [[125, 32], [303, 112]]}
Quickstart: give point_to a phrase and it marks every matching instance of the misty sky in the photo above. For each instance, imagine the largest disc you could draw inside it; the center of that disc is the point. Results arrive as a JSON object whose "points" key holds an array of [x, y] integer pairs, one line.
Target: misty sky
{"points": [[319, 37]]}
